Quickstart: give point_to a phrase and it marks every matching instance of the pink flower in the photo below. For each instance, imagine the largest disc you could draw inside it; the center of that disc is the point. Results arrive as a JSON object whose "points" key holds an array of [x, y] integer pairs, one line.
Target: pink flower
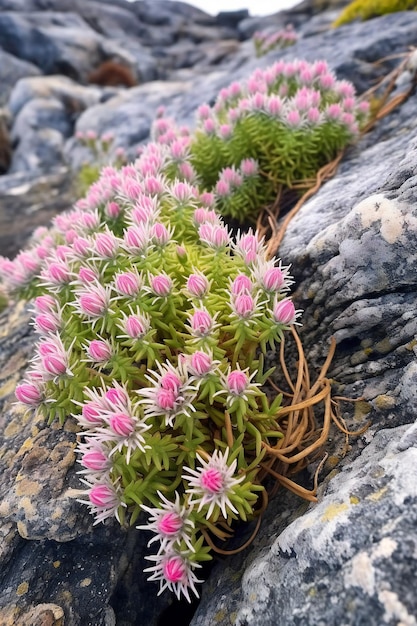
{"points": [[170, 522], [174, 571], [215, 235], [106, 245], [160, 234], [201, 323], [241, 284], [223, 188], [284, 312], [29, 394], [128, 283], [137, 239], [249, 167], [273, 279], [113, 210], [116, 397], [171, 381], [237, 382], [293, 118], [81, 246], [135, 326], [197, 285], [243, 305], [170, 393], [166, 399], [94, 458], [57, 273], [213, 483], [313, 115], [201, 363], [54, 364], [47, 323], [99, 351], [93, 301], [92, 414], [103, 500], [86, 275], [121, 424], [161, 285]]}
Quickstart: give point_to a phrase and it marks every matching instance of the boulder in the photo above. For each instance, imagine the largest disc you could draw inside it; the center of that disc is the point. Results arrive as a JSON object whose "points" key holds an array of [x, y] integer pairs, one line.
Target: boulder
{"points": [[11, 70]]}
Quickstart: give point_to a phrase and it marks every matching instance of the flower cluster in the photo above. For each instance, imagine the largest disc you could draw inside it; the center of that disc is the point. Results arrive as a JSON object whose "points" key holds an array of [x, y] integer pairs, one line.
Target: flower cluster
{"points": [[265, 41], [153, 318], [289, 119]]}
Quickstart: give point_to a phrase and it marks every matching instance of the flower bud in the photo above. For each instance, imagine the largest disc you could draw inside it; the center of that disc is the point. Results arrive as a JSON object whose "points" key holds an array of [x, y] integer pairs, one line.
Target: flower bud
{"points": [[99, 351], [284, 312], [29, 394]]}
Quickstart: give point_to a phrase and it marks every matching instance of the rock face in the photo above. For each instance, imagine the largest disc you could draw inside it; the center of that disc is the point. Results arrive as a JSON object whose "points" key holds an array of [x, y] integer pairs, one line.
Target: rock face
{"points": [[349, 559]]}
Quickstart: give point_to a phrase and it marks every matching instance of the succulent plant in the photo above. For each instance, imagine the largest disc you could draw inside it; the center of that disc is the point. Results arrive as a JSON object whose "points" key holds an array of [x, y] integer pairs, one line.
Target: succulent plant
{"points": [[154, 320], [267, 40], [287, 121]]}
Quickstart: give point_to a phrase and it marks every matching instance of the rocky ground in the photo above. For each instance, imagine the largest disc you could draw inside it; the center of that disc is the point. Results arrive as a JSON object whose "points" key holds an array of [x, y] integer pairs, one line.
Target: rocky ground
{"points": [[351, 558]]}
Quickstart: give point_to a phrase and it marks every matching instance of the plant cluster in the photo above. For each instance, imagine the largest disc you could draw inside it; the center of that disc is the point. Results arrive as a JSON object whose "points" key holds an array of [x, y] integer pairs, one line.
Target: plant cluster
{"points": [[265, 41], [367, 9], [152, 325], [153, 321], [273, 133]]}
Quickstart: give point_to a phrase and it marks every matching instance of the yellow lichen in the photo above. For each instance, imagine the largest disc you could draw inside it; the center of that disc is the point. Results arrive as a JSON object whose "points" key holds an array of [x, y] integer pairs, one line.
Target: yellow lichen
{"points": [[27, 487], [384, 401], [22, 588], [333, 510], [374, 497]]}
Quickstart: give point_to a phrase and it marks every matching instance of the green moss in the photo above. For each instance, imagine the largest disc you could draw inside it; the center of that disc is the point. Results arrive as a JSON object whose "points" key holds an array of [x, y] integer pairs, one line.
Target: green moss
{"points": [[367, 9]]}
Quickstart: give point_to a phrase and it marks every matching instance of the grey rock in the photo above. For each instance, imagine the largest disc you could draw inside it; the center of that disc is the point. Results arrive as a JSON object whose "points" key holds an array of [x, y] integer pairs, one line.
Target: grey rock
{"points": [[75, 97], [11, 70], [29, 201], [139, 104]]}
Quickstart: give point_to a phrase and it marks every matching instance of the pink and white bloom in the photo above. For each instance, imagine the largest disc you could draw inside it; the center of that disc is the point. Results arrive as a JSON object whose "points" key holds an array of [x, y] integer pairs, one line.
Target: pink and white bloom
{"points": [[93, 300], [174, 571], [201, 364], [128, 283], [202, 323], [213, 483], [104, 500], [197, 285], [94, 459], [29, 393], [160, 285], [284, 312], [170, 522], [99, 351], [170, 393], [134, 325]]}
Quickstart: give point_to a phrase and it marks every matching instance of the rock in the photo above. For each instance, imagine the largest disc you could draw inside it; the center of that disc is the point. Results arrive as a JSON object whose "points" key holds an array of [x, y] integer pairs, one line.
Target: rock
{"points": [[75, 97], [11, 70], [27, 202], [139, 104], [58, 43]]}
